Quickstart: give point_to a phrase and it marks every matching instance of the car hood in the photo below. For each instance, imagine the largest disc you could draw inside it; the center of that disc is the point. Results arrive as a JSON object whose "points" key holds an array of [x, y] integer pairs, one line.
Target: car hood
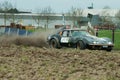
{"points": [[93, 39]]}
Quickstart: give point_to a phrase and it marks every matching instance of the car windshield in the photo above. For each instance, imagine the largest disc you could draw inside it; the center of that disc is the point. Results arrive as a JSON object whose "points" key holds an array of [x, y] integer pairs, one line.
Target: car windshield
{"points": [[78, 33]]}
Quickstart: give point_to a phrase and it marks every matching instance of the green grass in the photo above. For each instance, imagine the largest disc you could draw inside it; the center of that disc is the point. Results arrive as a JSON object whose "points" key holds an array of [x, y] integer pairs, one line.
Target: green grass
{"points": [[108, 33]]}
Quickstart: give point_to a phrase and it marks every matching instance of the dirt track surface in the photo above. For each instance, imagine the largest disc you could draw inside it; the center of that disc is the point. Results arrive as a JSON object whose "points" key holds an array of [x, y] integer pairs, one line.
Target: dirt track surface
{"points": [[34, 63], [29, 58]]}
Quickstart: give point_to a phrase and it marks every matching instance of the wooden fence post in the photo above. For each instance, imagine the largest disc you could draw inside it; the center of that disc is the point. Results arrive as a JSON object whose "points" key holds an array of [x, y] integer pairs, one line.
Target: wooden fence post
{"points": [[113, 33]]}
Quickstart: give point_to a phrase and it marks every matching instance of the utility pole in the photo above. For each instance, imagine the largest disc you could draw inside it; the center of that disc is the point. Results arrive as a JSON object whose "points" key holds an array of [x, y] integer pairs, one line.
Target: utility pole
{"points": [[63, 19]]}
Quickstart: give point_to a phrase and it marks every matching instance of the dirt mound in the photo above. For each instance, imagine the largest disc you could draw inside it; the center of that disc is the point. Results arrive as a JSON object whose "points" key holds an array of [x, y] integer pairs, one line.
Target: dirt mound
{"points": [[33, 63]]}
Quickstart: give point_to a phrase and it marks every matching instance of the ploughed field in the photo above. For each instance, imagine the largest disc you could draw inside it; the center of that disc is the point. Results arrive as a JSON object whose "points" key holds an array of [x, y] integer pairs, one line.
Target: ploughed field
{"points": [[24, 59]]}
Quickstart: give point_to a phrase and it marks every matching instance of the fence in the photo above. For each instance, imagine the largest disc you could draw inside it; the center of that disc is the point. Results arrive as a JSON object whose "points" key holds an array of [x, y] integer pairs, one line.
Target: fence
{"points": [[15, 31]]}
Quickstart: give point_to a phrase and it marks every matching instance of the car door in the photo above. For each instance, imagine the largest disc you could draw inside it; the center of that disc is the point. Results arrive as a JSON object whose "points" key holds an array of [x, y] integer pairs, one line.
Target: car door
{"points": [[65, 37]]}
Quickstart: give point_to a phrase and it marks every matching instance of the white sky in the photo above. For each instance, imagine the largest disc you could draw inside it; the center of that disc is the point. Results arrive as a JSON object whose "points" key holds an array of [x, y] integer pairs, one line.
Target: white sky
{"points": [[62, 5]]}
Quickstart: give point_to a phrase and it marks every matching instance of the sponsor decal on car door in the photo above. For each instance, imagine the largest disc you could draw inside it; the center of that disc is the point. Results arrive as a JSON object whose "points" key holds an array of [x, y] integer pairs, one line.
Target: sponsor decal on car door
{"points": [[65, 37]]}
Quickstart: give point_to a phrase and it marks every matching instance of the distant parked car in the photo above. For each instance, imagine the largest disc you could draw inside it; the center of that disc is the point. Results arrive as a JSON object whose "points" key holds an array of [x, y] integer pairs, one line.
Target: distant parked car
{"points": [[78, 38]]}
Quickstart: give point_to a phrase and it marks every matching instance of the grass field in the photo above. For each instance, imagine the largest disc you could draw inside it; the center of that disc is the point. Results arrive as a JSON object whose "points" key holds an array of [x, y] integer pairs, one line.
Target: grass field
{"points": [[108, 33]]}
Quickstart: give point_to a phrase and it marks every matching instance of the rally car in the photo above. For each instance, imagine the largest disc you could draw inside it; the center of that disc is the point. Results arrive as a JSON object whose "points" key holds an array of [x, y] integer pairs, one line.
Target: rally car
{"points": [[80, 39]]}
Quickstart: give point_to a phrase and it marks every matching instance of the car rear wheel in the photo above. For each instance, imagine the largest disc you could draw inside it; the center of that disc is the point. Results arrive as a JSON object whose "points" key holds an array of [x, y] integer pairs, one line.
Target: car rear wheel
{"points": [[80, 45], [53, 43]]}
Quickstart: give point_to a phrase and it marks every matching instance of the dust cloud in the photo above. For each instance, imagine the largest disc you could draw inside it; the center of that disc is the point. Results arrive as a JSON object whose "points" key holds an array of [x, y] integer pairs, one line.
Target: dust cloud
{"points": [[37, 39]]}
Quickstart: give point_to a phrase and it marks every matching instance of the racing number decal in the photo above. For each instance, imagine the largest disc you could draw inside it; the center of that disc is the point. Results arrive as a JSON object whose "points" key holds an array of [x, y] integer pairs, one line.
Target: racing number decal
{"points": [[64, 39]]}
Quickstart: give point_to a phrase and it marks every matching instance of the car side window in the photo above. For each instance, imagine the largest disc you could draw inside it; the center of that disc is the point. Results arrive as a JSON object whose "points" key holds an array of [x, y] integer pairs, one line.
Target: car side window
{"points": [[65, 34], [74, 33]]}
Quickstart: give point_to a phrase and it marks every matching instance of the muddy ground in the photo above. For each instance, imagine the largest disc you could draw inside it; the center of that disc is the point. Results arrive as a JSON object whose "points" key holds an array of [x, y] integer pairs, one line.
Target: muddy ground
{"points": [[23, 59]]}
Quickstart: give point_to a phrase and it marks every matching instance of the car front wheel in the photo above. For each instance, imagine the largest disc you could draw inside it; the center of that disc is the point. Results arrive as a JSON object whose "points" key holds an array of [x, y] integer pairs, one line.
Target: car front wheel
{"points": [[80, 45]]}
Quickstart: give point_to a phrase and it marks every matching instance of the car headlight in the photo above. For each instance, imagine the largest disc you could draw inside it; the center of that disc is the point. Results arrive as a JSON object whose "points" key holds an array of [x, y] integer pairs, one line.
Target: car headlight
{"points": [[95, 42], [109, 42]]}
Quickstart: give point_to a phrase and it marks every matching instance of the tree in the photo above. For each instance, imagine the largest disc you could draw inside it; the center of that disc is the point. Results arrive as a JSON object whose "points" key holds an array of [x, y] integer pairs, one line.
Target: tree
{"points": [[106, 7], [75, 13], [12, 16], [9, 12], [0, 7], [105, 16], [37, 17], [5, 7], [47, 11], [117, 16], [43, 14]]}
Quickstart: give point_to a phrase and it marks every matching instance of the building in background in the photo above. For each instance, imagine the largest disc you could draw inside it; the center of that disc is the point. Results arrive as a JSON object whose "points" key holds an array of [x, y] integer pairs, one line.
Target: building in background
{"points": [[57, 19]]}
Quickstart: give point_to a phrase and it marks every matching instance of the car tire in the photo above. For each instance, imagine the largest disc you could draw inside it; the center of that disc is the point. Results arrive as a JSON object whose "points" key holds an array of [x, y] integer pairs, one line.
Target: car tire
{"points": [[109, 49], [53, 43], [80, 45]]}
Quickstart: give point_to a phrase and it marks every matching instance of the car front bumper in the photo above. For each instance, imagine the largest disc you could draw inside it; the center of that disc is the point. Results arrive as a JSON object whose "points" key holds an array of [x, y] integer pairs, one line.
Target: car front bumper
{"points": [[101, 46]]}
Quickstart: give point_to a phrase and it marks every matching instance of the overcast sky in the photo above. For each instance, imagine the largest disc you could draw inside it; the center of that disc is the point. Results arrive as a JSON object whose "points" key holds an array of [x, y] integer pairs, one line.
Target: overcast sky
{"points": [[62, 5]]}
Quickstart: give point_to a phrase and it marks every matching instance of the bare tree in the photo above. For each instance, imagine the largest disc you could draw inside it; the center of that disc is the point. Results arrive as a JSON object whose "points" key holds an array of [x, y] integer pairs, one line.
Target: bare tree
{"points": [[105, 16], [47, 11], [5, 7], [43, 14], [106, 7], [0, 7], [9, 12], [37, 17], [12, 15], [75, 13], [117, 16]]}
